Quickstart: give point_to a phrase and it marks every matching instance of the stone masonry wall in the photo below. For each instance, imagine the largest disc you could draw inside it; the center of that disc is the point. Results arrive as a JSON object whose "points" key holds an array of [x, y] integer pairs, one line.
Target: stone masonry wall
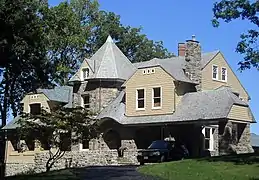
{"points": [[19, 168], [97, 94], [73, 159], [234, 138]]}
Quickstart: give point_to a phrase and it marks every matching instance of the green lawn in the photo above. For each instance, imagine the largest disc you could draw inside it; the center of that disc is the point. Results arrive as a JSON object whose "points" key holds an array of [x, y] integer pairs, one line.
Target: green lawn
{"points": [[57, 175], [242, 167]]}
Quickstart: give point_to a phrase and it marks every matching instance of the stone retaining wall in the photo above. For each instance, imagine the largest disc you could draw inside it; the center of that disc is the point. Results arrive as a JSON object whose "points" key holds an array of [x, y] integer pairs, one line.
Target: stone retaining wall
{"points": [[73, 159]]}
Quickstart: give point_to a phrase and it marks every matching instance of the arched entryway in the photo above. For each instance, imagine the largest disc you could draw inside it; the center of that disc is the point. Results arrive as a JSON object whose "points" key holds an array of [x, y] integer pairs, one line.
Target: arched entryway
{"points": [[112, 139]]}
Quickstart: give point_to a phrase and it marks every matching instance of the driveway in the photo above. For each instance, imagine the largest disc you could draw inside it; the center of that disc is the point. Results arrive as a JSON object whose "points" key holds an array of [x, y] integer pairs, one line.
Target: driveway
{"points": [[112, 173]]}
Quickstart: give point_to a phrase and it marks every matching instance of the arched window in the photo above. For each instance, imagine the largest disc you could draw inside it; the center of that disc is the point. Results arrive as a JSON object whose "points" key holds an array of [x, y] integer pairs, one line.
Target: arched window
{"points": [[85, 72]]}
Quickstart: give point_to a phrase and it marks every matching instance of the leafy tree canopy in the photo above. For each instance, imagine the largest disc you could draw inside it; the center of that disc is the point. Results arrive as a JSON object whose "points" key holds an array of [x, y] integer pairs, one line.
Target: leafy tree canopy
{"points": [[228, 10], [75, 123]]}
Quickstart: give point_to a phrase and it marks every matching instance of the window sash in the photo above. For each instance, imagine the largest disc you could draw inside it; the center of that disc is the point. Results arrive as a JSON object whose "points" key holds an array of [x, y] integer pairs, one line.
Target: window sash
{"points": [[223, 74], [86, 101], [214, 72], [157, 99], [140, 99]]}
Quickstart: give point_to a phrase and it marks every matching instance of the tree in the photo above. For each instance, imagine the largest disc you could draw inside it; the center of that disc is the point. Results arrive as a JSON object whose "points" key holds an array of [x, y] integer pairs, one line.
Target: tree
{"points": [[136, 46], [228, 10], [50, 126]]}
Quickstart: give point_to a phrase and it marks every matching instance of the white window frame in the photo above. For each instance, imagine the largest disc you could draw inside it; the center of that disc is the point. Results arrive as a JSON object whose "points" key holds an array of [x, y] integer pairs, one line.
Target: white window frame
{"points": [[137, 99], [144, 71], [226, 74], [153, 102], [217, 75], [211, 138], [83, 101], [153, 70]]}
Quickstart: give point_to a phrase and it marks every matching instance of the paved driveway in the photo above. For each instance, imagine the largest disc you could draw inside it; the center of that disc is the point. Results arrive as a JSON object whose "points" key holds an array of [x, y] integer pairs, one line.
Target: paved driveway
{"points": [[112, 173]]}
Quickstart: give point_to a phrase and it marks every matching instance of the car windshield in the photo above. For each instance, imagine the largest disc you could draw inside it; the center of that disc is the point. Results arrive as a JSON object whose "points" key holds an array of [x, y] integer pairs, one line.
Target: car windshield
{"points": [[158, 145]]}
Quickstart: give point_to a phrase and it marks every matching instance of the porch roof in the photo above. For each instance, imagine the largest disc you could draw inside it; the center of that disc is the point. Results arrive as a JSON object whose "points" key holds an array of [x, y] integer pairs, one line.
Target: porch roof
{"points": [[196, 106]]}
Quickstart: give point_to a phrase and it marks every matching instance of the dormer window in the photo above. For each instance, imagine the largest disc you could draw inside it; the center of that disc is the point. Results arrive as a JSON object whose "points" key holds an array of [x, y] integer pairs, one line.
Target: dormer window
{"points": [[224, 74], [35, 108], [215, 72], [85, 72]]}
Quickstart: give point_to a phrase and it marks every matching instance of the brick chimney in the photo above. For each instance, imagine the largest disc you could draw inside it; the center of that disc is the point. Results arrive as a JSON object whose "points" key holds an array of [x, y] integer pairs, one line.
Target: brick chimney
{"points": [[181, 49], [193, 61]]}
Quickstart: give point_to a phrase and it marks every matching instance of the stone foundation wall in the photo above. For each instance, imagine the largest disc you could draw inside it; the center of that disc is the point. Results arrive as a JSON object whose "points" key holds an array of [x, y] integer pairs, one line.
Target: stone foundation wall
{"points": [[19, 168], [234, 138], [73, 159]]}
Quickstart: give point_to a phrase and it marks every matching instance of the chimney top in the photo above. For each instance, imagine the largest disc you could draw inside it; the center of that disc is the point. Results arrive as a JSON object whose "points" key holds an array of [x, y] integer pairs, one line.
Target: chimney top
{"points": [[193, 39]]}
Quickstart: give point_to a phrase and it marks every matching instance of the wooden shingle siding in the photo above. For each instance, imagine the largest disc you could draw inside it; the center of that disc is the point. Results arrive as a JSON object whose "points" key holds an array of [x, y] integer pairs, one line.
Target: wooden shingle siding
{"points": [[208, 83], [159, 78], [240, 113]]}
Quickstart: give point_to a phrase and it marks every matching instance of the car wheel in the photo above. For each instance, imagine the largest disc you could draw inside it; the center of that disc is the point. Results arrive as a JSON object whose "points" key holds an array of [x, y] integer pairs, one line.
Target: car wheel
{"points": [[162, 159], [142, 163]]}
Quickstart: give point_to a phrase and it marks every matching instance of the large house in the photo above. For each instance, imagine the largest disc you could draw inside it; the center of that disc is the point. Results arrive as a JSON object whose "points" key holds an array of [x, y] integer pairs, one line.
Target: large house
{"points": [[194, 97]]}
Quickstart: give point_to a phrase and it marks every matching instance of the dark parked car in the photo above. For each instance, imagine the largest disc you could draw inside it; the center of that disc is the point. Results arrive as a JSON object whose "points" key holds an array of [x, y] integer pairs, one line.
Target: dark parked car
{"points": [[160, 151]]}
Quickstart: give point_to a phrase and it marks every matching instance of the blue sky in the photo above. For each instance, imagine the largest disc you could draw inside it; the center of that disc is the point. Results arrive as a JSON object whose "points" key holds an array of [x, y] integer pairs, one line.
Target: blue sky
{"points": [[176, 21]]}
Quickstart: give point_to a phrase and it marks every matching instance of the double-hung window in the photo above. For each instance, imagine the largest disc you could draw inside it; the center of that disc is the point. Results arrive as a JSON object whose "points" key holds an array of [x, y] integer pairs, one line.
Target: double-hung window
{"points": [[215, 72], [157, 98], [224, 74], [86, 101], [140, 104]]}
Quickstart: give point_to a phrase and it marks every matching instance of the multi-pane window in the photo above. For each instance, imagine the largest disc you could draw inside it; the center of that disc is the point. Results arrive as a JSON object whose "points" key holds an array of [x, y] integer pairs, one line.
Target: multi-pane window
{"points": [[208, 138], [35, 108], [140, 99], [224, 74], [86, 101], [214, 72], [85, 73], [157, 97]]}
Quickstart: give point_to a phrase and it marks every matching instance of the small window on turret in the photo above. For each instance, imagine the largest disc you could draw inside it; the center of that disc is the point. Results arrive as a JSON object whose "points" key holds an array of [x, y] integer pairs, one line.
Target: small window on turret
{"points": [[85, 72]]}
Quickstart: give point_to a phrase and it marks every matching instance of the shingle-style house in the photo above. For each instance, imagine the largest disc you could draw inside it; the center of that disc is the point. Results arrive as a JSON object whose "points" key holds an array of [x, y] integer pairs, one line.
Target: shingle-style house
{"points": [[194, 97]]}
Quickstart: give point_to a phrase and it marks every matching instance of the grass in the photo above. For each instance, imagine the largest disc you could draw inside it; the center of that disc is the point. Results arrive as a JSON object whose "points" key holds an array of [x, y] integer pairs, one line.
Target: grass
{"points": [[240, 167], [66, 174]]}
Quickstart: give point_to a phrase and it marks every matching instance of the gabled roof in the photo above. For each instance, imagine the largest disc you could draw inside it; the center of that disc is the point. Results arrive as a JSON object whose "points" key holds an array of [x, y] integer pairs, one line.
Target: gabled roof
{"points": [[207, 57], [61, 94], [205, 105], [175, 65]]}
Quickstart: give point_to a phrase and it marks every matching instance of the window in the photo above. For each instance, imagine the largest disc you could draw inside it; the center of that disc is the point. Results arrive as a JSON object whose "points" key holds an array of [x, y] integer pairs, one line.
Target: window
{"points": [[152, 70], [86, 101], [85, 141], [85, 73], [140, 99], [224, 74], [144, 71], [214, 72], [35, 108], [156, 101], [208, 138]]}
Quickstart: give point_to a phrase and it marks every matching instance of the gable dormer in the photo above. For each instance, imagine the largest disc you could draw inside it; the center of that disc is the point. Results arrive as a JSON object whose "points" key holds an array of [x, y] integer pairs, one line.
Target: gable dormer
{"points": [[216, 73]]}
